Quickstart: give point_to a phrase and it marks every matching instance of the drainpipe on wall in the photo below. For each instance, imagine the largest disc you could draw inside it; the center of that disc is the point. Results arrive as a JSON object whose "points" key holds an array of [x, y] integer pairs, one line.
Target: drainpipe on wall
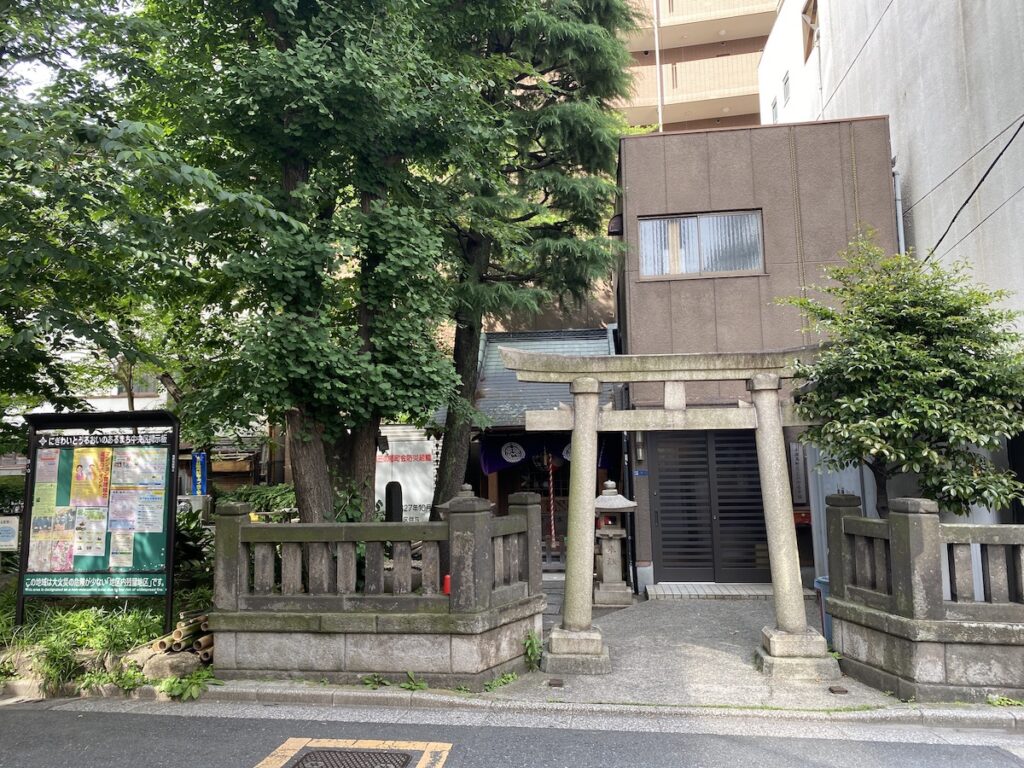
{"points": [[657, 64], [900, 239]]}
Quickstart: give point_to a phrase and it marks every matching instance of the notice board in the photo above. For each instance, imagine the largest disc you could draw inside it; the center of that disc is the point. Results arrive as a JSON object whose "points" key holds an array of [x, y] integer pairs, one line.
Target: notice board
{"points": [[99, 513]]}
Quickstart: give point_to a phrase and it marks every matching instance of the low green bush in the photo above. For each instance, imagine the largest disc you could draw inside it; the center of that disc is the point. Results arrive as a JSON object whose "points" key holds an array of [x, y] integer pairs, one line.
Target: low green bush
{"points": [[189, 687]]}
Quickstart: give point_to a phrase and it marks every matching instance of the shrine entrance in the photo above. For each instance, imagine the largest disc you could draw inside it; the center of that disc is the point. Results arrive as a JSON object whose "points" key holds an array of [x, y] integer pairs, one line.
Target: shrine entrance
{"points": [[706, 509]]}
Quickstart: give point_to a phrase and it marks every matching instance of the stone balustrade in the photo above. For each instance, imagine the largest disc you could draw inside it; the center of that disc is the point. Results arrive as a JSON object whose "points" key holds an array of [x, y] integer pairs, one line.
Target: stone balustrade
{"points": [[343, 600], [910, 615]]}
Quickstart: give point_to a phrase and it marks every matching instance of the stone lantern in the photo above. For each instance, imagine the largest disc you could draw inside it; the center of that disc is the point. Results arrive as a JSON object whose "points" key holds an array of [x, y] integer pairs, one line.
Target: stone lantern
{"points": [[611, 509]]}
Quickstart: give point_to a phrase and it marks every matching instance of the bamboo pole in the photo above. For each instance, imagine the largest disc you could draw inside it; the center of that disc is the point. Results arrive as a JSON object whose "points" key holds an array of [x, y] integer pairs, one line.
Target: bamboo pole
{"points": [[207, 655], [161, 643], [181, 634], [203, 642], [205, 626]]}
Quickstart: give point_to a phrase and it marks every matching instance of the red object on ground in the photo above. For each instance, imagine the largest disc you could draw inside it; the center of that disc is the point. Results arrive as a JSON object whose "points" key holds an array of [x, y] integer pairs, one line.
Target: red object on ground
{"points": [[447, 588]]}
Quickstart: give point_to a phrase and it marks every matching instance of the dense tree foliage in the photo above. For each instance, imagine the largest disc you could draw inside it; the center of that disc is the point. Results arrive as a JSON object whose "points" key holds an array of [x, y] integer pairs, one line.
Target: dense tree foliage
{"points": [[95, 208], [921, 374], [536, 237], [302, 193], [350, 117]]}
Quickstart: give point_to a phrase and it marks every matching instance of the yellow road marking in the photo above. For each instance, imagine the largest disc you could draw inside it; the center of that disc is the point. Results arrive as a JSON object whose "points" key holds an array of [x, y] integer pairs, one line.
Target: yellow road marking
{"points": [[434, 753]]}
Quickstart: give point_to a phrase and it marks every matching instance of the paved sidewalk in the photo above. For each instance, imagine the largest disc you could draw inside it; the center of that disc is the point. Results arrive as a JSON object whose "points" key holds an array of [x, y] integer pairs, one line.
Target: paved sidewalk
{"points": [[691, 653], [670, 660]]}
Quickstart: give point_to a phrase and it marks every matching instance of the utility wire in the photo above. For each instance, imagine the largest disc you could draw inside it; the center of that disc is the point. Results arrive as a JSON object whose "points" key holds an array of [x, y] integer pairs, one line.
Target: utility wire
{"points": [[973, 191], [989, 216], [952, 173]]}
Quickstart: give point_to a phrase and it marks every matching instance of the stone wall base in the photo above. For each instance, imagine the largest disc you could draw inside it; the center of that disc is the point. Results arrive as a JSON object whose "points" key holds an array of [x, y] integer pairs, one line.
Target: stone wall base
{"points": [[441, 659], [928, 660], [451, 680], [911, 690]]}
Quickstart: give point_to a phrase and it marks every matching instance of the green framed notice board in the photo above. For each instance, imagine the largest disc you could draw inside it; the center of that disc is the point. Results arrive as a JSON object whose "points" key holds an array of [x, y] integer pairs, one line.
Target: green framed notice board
{"points": [[99, 512]]}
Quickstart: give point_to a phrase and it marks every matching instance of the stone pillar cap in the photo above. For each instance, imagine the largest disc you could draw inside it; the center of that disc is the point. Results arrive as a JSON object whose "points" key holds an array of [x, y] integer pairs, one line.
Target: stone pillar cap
{"points": [[233, 508], [913, 506], [465, 501], [842, 500], [763, 380], [611, 500]]}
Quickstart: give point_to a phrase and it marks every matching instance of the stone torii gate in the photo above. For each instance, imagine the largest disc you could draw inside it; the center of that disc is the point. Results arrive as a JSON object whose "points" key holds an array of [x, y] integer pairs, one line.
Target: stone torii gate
{"points": [[790, 648]]}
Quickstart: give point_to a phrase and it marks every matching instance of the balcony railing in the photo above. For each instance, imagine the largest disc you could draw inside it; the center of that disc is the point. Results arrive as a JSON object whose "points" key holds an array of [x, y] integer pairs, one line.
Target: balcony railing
{"points": [[693, 11], [718, 78]]}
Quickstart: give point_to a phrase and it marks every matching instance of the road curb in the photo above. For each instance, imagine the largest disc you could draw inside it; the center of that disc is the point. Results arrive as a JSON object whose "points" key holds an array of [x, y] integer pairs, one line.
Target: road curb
{"points": [[969, 716], [965, 716]]}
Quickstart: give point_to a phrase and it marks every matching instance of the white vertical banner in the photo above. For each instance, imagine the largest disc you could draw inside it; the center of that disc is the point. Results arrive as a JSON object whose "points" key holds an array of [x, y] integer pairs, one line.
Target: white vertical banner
{"points": [[798, 473]]}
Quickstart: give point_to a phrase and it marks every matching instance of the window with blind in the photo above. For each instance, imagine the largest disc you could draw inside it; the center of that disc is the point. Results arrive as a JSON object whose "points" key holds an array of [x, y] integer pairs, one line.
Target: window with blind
{"points": [[701, 244]]}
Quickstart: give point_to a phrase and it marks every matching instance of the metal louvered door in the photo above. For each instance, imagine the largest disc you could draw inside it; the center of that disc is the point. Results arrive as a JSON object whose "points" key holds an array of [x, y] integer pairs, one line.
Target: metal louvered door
{"points": [[741, 543], [681, 506], [707, 513]]}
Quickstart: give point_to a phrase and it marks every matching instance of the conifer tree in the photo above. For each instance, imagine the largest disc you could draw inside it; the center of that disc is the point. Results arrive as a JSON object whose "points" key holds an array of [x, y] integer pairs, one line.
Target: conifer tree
{"points": [[537, 236]]}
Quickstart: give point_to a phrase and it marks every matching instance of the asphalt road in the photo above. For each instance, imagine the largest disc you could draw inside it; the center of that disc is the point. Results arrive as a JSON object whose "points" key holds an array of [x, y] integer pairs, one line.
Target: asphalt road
{"points": [[88, 734]]}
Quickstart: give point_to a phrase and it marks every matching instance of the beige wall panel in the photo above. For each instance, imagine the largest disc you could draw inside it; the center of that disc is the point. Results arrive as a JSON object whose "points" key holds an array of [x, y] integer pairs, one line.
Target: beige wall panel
{"points": [[651, 318], [644, 178], [780, 325], [686, 169], [730, 171], [773, 187], [874, 176], [702, 392], [822, 193], [733, 391], [649, 394], [738, 314], [693, 316]]}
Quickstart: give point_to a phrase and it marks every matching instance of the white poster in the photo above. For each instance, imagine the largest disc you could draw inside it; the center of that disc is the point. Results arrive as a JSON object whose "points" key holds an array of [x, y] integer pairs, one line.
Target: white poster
{"points": [[410, 463], [122, 550], [9, 533], [90, 532], [140, 465]]}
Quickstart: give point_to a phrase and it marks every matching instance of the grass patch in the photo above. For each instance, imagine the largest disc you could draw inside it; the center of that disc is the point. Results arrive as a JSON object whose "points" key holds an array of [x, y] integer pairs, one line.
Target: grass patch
{"points": [[1004, 701], [508, 677]]}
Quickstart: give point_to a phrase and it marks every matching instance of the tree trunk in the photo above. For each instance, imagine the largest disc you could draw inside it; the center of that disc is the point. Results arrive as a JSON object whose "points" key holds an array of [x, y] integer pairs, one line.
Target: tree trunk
{"points": [[881, 476], [309, 468], [458, 428], [355, 465], [130, 386], [363, 465]]}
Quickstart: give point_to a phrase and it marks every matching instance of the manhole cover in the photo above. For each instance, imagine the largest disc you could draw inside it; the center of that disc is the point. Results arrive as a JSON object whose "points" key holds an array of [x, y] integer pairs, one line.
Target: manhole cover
{"points": [[344, 758]]}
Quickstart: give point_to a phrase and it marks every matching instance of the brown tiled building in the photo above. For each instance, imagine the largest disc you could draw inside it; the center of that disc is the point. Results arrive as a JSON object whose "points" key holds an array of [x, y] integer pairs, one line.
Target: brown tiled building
{"points": [[718, 226]]}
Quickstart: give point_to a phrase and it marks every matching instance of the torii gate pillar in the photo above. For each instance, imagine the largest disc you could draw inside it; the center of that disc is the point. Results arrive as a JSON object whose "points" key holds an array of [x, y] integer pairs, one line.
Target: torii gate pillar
{"points": [[577, 646]]}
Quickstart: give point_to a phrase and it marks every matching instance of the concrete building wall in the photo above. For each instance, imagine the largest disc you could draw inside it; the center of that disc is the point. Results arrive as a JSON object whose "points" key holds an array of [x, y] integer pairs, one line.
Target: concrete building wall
{"points": [[813, 184], [949, 74]]}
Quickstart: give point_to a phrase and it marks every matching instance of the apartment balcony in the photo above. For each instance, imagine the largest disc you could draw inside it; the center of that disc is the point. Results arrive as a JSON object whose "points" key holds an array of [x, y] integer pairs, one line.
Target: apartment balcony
{"points": [[698, 22], [694, 90]]}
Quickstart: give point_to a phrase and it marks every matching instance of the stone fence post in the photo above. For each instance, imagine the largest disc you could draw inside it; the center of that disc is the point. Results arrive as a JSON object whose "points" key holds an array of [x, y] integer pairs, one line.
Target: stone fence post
{"points": [[840, 561], [915, 550], [231, 564], [469, 537], [528, 506]]}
